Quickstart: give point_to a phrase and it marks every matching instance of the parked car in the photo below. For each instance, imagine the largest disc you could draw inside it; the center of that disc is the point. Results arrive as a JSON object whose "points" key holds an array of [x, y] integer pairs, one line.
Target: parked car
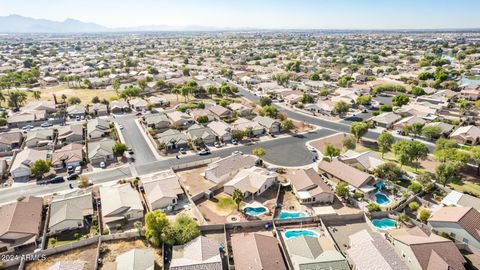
{"points": [[46, 124], [120, 126], [217, 144], [102, 164], [204, 152], [78, 169], [130, 150], [77, 118], [57, 179], [234, 142], [237, 153], [182, 151], [70, 169], [72, 176]]}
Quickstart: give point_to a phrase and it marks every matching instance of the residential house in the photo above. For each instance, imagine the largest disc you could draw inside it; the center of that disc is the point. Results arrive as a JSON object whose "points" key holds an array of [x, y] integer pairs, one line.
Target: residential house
{"points": [[222, 169], [251, 181], [180, 119], [466, 135], [162, 189], [370, 248], [138, 104], [39, 138], [101, 151], [172, 139], [70, 265], [69, 155], [98, 128], [200, 134], [256, 251], [70, 133], [98, 109], [136, 259], [120, 203], [158, 101], [425, 251], [417, 109], [386, 120], [220, 111], [197, 113], [270, 124], [10, 141], [337, 171], [321, 106], [309, 187], [446, 128], [312, 252], [455, 198], [21, 222], [365, 161], [76, 110], [24, 118], [461, 223], [409, 121], [21, 166], [200, 253], [222, 130], [157, 121], [244, 124], [69, 212], [119, 106], [240, 110], [48, 106]]}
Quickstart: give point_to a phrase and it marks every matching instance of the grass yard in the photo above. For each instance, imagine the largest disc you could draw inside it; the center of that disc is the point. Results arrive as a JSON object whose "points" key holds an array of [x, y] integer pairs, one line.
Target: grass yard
{"points": [[467, 186], [225, 202]]}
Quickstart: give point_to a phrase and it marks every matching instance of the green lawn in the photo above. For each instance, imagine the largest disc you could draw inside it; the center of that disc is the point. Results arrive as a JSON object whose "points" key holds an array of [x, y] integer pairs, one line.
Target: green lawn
{"points": [[225, 202], [467, 186]]}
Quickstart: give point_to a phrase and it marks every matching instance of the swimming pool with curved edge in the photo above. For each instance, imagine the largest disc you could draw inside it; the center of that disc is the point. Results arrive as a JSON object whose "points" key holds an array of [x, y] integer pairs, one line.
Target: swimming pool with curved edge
{"points": [[296, 233], [291, 214], [384, 223], [255, 211]]}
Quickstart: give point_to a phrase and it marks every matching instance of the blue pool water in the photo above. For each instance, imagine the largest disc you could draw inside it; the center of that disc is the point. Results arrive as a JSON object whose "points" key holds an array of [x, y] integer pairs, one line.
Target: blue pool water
{"points": [[466, 80], [384, 223], [255, 211], [297, 233], [381, 199], [289, 215]]}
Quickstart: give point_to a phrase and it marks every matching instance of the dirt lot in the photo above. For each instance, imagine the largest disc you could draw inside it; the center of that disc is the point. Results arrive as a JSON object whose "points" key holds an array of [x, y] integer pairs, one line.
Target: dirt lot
{"points": [[115, 248], [335, 140], [86, 254], [193, 180]]}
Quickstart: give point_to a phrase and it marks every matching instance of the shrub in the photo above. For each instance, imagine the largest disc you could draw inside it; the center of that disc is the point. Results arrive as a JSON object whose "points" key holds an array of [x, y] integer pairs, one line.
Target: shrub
{"points": [[415, 187], [424, 215], [373, 207], [413, 206]]}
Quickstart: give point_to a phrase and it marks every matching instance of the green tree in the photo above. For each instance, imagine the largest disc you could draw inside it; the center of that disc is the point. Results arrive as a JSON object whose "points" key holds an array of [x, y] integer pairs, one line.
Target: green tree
{"points": [[385, 141], [415, 187], [155, 224], [426, 180], [410, 151], [373, 207], [287, 125], [40, 167], [259, 151], [358, 129], [444, 143], [116, 84], [331, 151], [202, 119], [400, 100], [364, 100], [270, 111], [389, 171], [237, 197], [432, 132], [349, 143], [475, 156], [36, 94], [341, 108], [264, 101], [238, 134], [212, 90], [307, 98], [185, 229], [447, 172], [119, 148], [16, 98], [424, 215], [341, 189], [418, 91], [413, 206], [74, 100], [3, 121]]}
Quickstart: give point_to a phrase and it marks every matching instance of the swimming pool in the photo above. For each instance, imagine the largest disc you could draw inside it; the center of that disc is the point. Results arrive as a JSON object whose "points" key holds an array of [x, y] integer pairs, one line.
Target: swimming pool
{"points": [[381, 198], [255, 211], [296, 233], [384, 223], [291, 214]]}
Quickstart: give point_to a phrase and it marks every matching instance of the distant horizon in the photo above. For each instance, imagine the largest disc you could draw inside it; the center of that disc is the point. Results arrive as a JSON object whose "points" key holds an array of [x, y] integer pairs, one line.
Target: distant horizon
{"points": [[263, 15]]}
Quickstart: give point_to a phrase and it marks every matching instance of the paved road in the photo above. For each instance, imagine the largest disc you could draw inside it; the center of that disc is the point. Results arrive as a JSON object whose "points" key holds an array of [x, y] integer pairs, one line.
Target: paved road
{"points": [[135, 139]]}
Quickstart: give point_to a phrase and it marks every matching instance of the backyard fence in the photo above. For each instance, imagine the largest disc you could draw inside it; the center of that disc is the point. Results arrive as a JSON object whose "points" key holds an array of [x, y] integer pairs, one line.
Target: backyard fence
{"points": [[193, 164]]}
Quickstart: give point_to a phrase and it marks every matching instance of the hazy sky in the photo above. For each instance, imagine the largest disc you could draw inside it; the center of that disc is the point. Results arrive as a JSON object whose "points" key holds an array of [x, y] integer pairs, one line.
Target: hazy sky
{"points": [[319, 14]]}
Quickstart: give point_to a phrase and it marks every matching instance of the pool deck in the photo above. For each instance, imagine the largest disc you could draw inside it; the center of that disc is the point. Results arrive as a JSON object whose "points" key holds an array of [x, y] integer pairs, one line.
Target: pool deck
{"points": [[340, 231]]}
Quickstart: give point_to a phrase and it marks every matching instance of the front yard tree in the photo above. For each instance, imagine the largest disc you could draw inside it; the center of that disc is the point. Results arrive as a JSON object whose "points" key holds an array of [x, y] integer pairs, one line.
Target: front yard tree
{"points": [[410, 151], [264, 101], [287, 125], [475, 156], [385, 141], [39, 168], [269, 111], [400, 100], [341, 108], [119, 148], [238, 134], [212, 90], [342, 189], [331, 151], [259, 151], [358, 129], [237, 197], [432, 132], [307, 98], [448, 172], [389, 171], [155, 224], [349, 143], [74, 100]]}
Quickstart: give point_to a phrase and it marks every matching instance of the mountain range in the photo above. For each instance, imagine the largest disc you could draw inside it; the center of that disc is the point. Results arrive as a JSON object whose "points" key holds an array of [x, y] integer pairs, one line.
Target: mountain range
{"points": [[21, 24]]}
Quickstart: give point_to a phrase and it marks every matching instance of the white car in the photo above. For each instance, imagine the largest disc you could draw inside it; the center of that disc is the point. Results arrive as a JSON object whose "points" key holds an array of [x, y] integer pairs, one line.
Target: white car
{"points": [[237, 153], [102, 164], [78, 169], [120, 126]]}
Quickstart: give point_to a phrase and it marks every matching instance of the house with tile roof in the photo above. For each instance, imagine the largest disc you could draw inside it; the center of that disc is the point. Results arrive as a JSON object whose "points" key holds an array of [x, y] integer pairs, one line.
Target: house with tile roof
{"points": [[136, 259], [97, 128], [309, 187], [461, 223], [162, 189], [222, 130], [200, 253], [101, 151], [251, 181], [256, 251], [70, 212], [466, 135], [338, 171], [21, 166], [270, 124], [455, 198], [10, 141], [385, 120], [368, 248], [200, 134], [225, 168], [70, 133], [365, 161], [119, 203]]}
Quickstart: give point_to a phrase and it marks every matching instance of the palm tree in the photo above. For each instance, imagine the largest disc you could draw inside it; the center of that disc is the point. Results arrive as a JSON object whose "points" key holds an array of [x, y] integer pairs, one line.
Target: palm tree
{"points": [[64, 98], [16, 98], [36, 94], [237, 197]]}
